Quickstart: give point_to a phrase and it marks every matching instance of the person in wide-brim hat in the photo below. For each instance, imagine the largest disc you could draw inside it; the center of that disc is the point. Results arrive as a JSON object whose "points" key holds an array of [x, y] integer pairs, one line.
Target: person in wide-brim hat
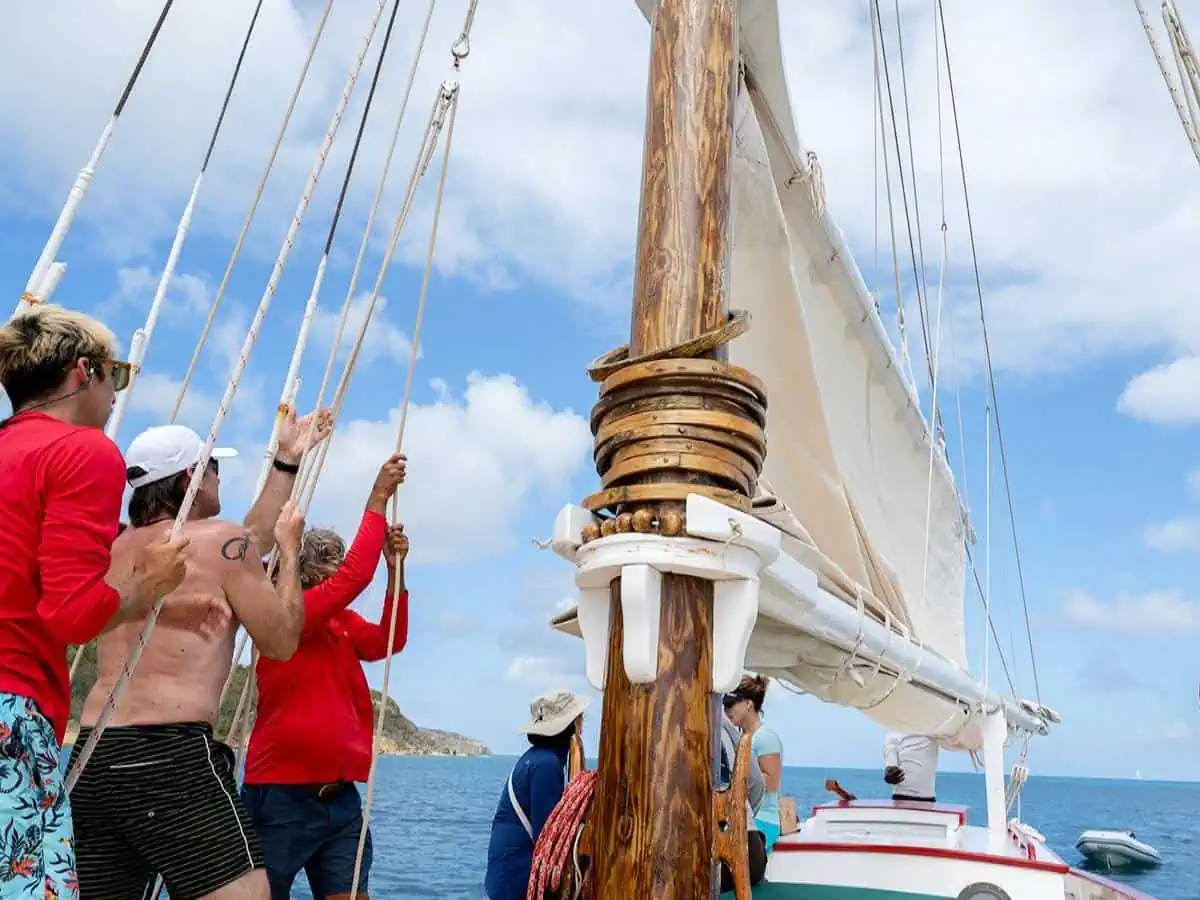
{"points": [[554, 712], [532, 790]]}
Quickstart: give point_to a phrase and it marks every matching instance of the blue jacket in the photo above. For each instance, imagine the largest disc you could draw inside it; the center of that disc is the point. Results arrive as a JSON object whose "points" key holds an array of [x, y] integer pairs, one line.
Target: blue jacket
{"points": [[538, 780]]}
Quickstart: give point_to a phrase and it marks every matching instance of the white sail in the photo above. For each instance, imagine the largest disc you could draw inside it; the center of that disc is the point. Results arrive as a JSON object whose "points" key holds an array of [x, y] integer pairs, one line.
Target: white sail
{"points": [[848, 469], [848, 450]]}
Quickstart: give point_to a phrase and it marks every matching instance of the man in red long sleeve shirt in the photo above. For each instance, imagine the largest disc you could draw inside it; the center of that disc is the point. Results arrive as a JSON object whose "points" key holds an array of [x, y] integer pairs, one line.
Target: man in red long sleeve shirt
{"points": [[61, 482], [312, 738]]}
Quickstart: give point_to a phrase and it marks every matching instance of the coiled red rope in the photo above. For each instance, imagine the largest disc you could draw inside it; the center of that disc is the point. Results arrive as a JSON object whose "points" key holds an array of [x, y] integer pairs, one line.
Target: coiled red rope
{"points": [[557, 841]]}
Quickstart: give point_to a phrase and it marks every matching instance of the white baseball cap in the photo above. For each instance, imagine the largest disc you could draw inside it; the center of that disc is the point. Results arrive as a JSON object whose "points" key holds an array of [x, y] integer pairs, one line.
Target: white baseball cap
{"points": [[166, 450]]}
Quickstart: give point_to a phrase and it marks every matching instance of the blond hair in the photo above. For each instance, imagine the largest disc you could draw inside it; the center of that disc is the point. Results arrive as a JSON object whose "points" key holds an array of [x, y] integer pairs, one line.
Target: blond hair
{"points": [[322, 552], [39, 347]]}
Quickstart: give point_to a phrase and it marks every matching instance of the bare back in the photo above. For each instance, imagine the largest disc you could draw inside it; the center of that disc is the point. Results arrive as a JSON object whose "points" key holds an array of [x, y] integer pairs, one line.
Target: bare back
{"points": [[190, 653]]}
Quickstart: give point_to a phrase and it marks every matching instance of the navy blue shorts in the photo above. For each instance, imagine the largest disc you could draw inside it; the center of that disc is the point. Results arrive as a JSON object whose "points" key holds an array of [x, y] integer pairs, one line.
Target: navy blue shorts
{"points": [[300, 831]]}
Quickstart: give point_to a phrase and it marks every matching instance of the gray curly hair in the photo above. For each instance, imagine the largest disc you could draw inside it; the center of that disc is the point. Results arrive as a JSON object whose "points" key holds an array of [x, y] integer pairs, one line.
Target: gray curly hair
{"points": [[322, 551]]}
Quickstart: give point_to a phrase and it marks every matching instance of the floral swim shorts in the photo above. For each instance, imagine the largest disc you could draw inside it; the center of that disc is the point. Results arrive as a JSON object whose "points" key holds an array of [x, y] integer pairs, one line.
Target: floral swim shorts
{"points": [[37, 852]]}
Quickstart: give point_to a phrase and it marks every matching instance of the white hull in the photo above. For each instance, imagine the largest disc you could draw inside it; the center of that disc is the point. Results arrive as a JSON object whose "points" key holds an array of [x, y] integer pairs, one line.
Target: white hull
{"points": [[881, 850], [1116, 849]]}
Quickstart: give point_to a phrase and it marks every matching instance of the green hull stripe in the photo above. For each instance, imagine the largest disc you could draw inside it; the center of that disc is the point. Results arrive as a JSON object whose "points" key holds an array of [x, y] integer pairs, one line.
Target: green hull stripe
{"points": [[824, 892]]}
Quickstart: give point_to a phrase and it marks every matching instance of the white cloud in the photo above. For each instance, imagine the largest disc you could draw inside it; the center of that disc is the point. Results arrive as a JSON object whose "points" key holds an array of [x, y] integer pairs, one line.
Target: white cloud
{"points": [[474, 462], [382, 339], [1061, 107], [1176, 536], [1178, 730], [136, 286], [154, 394], [1168, 394], [1156, 613], [539, 672]]}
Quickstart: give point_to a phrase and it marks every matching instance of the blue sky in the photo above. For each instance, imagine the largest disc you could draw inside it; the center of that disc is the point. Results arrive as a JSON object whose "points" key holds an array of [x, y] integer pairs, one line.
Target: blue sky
{"points": [[1085, 203]]}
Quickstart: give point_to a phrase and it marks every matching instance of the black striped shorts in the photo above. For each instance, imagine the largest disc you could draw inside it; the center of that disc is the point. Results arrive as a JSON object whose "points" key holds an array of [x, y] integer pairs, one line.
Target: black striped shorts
{"points": [[160, 800]]}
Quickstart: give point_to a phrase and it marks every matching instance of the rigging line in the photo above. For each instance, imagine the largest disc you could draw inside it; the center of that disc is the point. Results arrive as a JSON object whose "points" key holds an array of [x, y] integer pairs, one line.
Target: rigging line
{"points": [[934, 443], [450, 92], [987, 547], [905, 358], [292, 379], [262, 184], [46, 271], [1189, 126], [141, 338], [912, 164], [251, 339], [375, 204], [991, 625], [310, 307], [428, 144], [904, 197], [307, 472], [1185, 57], [987, 350], [306, 483], [876, 117], [962, 441]]}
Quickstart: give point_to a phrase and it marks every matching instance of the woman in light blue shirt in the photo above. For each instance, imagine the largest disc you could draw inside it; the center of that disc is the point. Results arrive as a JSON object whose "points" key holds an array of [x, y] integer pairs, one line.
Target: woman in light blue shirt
{"points": [[744, 708]]}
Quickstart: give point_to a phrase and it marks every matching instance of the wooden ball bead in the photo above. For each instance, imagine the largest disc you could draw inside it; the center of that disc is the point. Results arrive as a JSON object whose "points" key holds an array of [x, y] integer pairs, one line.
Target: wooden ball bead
{"points": [[670, 523], [624, 523], [608, 527], [591, 532], [643, 520]]}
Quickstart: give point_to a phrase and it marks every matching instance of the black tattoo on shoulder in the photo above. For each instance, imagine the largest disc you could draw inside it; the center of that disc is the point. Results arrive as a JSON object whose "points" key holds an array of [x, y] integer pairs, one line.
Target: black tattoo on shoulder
{"points": [[235, 549]]}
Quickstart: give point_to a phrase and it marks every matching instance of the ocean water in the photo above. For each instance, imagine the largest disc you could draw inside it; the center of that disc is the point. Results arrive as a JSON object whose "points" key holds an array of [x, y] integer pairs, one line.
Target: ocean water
{"points": [[432, 817]]}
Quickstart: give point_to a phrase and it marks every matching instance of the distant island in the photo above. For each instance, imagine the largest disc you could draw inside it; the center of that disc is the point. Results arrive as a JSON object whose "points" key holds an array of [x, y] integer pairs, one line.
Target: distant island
{"points": [[401, 736]]}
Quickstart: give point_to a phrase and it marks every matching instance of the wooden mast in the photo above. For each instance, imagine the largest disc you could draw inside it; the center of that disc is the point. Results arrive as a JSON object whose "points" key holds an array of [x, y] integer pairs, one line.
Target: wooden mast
{"points": [[673, 418]]}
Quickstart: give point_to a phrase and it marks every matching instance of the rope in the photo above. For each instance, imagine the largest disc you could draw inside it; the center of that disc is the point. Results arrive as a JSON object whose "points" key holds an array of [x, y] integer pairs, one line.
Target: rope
{"points": [[987, 351], [905, 358], [432, 131], [46, 272], [223, 408], [262, 183], [450, 94], [291, 381], [1181, 49], [559, 839], [310, 474], [139, 347]]}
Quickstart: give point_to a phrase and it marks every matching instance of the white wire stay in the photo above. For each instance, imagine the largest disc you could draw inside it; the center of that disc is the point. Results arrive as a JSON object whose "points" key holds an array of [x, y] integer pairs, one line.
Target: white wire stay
{"points": [[47, 271], [1187, 106], [223, 408]]}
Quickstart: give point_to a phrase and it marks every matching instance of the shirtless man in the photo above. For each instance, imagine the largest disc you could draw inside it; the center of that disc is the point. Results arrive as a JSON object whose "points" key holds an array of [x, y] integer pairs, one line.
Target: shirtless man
{"points": [[159, 795]]}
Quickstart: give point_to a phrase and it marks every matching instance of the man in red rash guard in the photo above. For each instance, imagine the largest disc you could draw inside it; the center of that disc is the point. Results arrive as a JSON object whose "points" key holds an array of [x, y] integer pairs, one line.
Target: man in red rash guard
{"points": [[61, 483], [312, 738]]}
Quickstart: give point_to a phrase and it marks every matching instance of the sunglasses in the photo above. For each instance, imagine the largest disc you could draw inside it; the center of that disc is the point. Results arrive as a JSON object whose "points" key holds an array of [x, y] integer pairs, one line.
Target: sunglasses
{"points": [[119, 371]]}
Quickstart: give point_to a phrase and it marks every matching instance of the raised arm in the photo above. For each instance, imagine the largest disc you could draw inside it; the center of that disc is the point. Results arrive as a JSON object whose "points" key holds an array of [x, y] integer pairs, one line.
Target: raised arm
{"points": [[272, 614], [82, 482], [294, 442], [357, 571], [370, 639], [353, 576]]}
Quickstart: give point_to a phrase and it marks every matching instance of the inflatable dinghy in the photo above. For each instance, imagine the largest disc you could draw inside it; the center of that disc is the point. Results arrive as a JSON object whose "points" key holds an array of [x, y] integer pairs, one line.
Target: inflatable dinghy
{"points": [[1116, 849]]}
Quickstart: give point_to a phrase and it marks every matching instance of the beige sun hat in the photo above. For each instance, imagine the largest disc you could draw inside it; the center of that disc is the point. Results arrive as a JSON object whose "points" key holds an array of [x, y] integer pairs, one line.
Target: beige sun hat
{"points": [[552, 712]]}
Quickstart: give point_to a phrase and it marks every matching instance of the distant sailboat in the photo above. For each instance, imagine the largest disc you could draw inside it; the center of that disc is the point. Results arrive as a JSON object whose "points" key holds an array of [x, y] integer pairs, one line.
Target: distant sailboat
{"points": [[1137, 775]]}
